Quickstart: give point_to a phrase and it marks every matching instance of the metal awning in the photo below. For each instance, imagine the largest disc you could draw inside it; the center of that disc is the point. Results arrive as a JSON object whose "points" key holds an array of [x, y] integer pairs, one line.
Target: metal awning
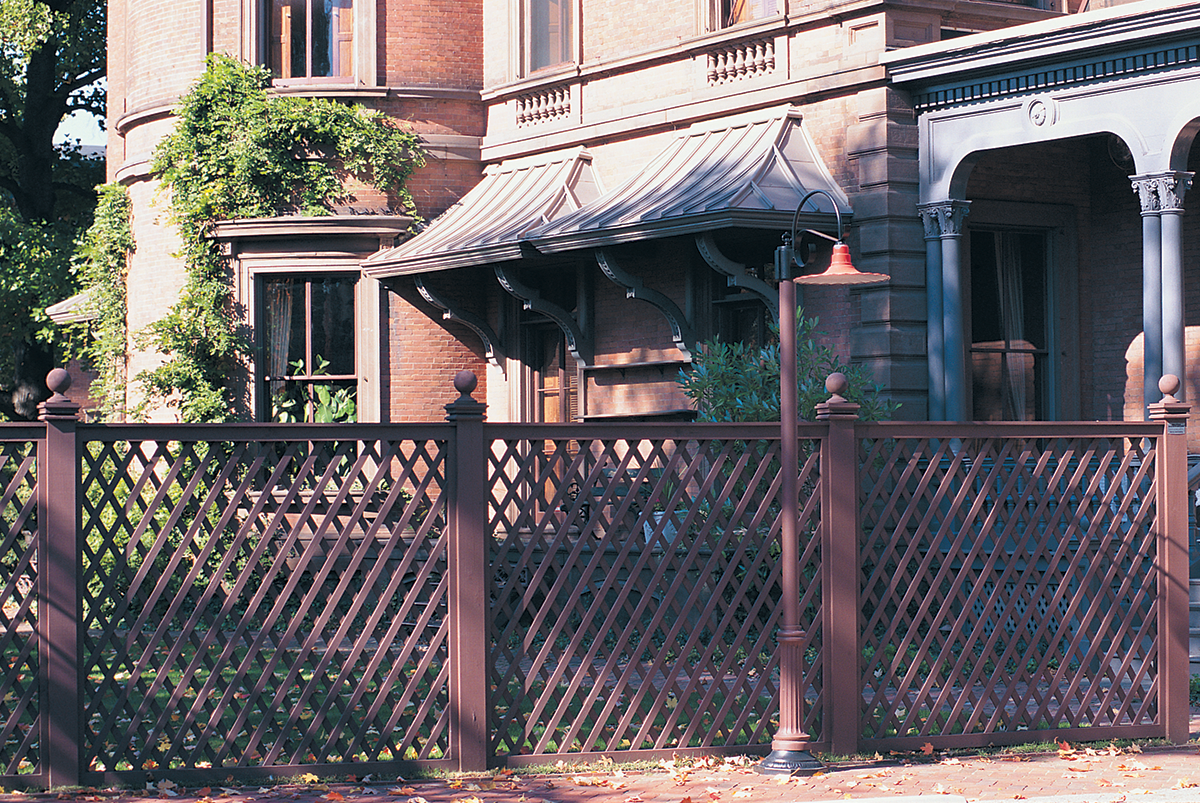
{"points": [[748, 172], [489, 223]]}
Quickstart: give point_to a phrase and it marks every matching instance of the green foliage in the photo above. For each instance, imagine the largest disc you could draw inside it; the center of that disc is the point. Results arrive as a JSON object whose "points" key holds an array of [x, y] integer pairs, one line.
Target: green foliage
{"points": [[332, 404], [103, 263], [52, 56], [738, 382], [238, 152]]}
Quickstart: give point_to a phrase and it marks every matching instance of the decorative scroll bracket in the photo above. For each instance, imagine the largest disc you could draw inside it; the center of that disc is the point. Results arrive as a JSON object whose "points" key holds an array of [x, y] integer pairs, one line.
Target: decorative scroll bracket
{"points": [[682, 333], [735, 273], [579, 345], [491, 343]]}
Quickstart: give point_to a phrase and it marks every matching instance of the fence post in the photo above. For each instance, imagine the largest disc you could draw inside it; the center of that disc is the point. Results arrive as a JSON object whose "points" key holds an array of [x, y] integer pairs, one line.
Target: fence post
{"points": [[1172, 522], [840, 575], [467, 560], [59, 585]]}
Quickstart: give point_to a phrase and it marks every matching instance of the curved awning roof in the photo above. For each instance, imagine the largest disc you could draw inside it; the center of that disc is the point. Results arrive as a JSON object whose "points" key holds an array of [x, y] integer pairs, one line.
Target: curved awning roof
{"points": [[746, 172], [490, 222]]}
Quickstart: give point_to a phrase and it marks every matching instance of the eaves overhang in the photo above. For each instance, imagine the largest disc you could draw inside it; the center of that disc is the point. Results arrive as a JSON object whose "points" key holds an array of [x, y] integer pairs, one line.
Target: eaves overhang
{"points": [[1092, 47]]}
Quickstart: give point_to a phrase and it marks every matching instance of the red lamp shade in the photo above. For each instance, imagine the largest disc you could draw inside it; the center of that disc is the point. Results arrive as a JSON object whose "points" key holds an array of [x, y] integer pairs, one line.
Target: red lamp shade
{"points": [[841, 271]]}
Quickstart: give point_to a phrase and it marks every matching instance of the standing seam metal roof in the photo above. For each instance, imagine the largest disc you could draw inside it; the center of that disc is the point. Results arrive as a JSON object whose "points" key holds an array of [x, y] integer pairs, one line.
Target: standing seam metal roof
{"points": [[750, 172], [488, 224]]}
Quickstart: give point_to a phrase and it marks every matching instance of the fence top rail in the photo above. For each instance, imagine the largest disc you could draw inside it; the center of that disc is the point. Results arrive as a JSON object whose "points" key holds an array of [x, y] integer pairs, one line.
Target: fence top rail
{"points": [[266, 433], [21, 431], [1011, 429], [678, 430]]}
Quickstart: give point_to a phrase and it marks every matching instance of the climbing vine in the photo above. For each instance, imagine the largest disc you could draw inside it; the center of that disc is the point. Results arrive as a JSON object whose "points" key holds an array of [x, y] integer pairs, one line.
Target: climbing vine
{"points": [[103, 255], [239, 152]]}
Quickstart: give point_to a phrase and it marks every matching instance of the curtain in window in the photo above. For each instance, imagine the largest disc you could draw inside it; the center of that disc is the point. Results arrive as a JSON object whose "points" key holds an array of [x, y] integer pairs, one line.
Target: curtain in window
{"points": [[1012, 318], [279, 331]]}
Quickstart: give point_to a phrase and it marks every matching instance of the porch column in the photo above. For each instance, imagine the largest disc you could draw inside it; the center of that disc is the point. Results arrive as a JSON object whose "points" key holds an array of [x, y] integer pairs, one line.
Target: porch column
{"points": [[1163, 334], [1171, 189], [934, 341], [949, 216]]}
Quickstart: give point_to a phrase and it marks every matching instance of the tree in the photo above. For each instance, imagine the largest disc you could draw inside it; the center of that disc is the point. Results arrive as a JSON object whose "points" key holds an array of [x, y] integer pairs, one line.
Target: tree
{"points": [[52, 56]]}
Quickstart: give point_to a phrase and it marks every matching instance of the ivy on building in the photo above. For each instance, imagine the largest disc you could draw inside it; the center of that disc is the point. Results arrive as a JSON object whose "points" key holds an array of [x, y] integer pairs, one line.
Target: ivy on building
{"points": [[239, 151], [103, 256]]}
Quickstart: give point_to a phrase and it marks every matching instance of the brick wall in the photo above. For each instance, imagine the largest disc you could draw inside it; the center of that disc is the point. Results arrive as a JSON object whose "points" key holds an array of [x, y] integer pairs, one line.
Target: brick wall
{"points": [[431, 42], [424, 354]]}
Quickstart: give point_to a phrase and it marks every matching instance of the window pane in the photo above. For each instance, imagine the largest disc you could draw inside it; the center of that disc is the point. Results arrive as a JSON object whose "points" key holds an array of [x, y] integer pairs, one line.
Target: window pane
{"points": [[283, 325], [550, 33], [333, 324], [735, 12], [331, 25]]}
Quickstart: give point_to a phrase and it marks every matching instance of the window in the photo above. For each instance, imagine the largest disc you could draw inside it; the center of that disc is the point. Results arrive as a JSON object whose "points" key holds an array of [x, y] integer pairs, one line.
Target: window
{"points": [[311, 39], [307, 343], [735, 12], [554, 388], [550, 33], [1010, 329]]}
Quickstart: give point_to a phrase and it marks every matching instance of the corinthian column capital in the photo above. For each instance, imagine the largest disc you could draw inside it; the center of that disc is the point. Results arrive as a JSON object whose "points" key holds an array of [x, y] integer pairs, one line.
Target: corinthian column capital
{"points": [[944, 218], [1161, 192]]}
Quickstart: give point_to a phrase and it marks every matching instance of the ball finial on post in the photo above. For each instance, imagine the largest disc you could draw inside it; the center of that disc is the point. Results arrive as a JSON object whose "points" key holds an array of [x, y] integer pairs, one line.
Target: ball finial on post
{"points": [[59, 382], [1169, 385], [837, 384], [465, 382]]}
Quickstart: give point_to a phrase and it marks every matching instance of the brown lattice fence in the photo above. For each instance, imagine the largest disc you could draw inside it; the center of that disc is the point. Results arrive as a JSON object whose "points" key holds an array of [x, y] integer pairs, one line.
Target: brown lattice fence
{"points": [[240, 601]]}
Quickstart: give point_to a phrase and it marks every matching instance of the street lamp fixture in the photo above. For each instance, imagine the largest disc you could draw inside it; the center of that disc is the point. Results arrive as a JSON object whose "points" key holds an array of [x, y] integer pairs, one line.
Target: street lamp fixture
{"points": [[788, 754]]}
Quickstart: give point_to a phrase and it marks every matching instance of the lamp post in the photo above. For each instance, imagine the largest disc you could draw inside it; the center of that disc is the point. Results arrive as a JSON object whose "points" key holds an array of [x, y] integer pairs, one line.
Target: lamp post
{"points": [[788, 756]]}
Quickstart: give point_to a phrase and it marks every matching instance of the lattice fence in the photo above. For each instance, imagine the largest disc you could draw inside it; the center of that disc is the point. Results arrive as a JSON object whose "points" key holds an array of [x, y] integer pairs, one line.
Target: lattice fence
{"points": [[636, 590], [20, 690], [1009, 585], [254, 600], [263, 603]]}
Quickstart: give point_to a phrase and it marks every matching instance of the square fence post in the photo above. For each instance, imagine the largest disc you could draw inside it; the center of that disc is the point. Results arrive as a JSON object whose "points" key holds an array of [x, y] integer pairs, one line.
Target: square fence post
{"points": [[59, 586], [467, 557], [1172, 525], [839, 558]]}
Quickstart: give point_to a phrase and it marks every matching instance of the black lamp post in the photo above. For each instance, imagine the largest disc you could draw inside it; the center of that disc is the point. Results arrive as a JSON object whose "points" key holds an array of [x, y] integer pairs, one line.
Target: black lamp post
{"points": [[788, 756]]}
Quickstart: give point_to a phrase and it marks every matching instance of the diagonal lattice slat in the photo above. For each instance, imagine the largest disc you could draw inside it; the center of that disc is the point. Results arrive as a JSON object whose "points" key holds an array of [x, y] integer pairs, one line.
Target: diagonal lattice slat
{"points": [[20, 697], [257, 603], [636, 592], [1009, 584]]}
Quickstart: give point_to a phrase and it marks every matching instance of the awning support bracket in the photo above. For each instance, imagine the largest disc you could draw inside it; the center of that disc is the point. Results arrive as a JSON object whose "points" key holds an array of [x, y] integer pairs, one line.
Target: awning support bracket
{"points": [[735, 273], [682, 333], [491, 343], [577, 343]]}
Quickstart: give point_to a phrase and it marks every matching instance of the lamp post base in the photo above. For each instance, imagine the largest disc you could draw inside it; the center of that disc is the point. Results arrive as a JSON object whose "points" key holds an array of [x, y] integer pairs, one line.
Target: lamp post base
{"points": [[789, 762]]}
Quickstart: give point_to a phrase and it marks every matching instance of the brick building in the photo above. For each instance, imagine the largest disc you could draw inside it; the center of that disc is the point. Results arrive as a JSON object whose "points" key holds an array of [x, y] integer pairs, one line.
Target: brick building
{"points": [[608, 184]]}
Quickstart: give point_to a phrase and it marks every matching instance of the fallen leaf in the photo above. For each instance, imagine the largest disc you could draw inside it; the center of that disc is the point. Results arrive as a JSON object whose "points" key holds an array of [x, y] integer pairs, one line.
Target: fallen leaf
{"points": [[336, 797], [308, 777], [927, 749], [950, 761], [743, 793], [1185, 783]]}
